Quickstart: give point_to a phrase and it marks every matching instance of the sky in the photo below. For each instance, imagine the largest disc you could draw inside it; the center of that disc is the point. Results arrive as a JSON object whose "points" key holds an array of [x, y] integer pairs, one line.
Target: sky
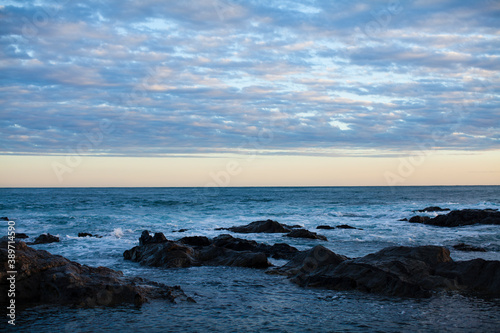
{"points": [[249, 93]]}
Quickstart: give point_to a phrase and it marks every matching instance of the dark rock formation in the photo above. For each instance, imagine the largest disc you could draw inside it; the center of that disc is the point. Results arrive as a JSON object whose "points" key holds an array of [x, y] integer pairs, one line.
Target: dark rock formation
{"points": [[45, 239], [86, 234], [419, 219], [462, 217], [146, 238], [43, 278], [341, 226], [267, 226], [200, 251], [433, 209], [396, 271], [21, 236], [181, 230], [196, 241], [346, 226], [4, 218], [403, 220], [303, 233], [468, 248], [223, 250], [325, 227]]}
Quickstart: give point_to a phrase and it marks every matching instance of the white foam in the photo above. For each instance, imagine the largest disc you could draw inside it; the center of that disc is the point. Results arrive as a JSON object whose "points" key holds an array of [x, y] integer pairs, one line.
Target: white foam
{"points": [[118, 233]]}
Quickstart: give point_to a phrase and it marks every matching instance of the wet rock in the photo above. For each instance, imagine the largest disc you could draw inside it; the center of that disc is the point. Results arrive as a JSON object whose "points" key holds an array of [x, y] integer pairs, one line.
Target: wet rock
{"points": [[325, 227], [181, 230], [433, 209], [4, 218], [45, 239], [167, 254], [419, 219], [44, 278], [20, 235], [267, 226], [276, 251], [462, 217], [346, 226], [196, 241], [146, 238], [303, 233], [200, 251], [403, 220], [396, 271], [86, 234], [468, 248]]}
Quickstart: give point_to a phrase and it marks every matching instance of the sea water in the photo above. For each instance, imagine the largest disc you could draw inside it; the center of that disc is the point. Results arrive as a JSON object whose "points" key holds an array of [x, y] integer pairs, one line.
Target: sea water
{"points": [[231, 299]]}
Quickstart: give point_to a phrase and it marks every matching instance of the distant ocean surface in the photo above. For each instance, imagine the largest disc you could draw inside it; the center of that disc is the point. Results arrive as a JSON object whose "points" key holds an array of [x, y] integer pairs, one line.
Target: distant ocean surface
{"points": [[248, 300]]}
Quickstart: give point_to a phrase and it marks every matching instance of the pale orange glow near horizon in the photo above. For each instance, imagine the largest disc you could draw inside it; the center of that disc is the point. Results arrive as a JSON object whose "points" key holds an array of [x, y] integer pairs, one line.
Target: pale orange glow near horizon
{"points": [[450, 168]]}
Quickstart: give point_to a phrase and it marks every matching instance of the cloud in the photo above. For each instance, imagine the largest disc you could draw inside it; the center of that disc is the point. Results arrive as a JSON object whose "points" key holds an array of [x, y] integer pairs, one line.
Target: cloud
{"points": [[218, 75]]}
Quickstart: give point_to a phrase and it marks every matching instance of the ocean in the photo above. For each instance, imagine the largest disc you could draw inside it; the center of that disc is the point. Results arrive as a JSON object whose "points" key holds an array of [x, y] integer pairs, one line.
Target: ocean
{"points": [[231, 299]]}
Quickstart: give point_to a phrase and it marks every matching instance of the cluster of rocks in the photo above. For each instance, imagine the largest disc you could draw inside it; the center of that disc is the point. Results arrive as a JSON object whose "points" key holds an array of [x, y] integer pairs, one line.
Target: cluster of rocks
{"points": [[457, 218], [44, 278], [224, 250], [270, 226], [396, 271]]}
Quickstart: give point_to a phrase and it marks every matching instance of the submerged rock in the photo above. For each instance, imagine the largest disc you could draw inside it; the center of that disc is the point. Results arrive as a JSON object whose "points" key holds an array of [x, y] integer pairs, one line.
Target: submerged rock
{"points": [[201, 251], [4, 218], [468, 248], [44, 278], [267, 226], [303, 233], [86, 234], [433, 209], [462, 217], [396, 271], [20, 235], [346, 226], [325, 227], [45, 239]]}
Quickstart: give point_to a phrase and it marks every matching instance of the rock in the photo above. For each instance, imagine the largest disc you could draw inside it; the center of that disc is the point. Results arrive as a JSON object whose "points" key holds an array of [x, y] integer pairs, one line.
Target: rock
{"points": [[181, 230], [146, 238], [281, 251], [457, 218], [306, 262], [303, 233], [86, 234], [396, 271], [4, 218], [277, 251], [345, 226], [166, 254], [45, 239], [475, 276], [196, 241], [200, 251], [403, 220], [21, 236], [325, 227], [419, 219], [468, 248], [433, 209], [44, 278], [267, 226]]}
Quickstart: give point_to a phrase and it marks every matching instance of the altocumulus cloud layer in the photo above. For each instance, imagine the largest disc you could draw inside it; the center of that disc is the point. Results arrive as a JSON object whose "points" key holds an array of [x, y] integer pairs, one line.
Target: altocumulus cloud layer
{"points": [[286, 77]]}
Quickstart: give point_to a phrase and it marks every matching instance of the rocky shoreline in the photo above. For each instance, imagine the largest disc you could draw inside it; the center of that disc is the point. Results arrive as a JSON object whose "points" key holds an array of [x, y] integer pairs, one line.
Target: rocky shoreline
{"points": [[44, 278], [421, 271]]}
